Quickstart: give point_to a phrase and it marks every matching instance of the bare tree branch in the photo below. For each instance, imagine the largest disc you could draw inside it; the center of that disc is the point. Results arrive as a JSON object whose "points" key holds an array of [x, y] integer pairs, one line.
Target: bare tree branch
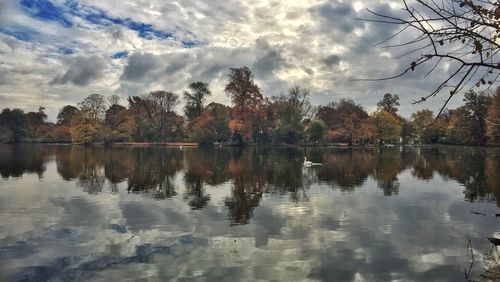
{"points": [[464, 32]]}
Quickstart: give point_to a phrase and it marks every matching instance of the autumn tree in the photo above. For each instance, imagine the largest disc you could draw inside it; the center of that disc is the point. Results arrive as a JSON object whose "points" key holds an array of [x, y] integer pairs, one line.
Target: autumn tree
{"points": [[343, 119], [367, 132], [388, 127], [195, 99], [212, 125], [93, 107], [61, 133], [263, 122], [244, 93], [459, 35], [458, 126], [86, 126], [246, 97]]}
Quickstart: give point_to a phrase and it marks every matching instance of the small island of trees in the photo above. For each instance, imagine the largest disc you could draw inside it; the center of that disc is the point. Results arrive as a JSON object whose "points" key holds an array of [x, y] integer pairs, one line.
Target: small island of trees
{"points": [[253, 119]]}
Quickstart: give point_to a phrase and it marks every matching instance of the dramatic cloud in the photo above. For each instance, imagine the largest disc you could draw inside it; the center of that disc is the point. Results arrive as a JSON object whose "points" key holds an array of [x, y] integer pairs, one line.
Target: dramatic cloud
{"points": [[82, 71], [57, 52], [139, 66]]}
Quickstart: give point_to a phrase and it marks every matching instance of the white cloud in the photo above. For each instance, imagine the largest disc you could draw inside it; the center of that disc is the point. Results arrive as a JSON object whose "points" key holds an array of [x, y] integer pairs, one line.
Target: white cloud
{"points": [[319, 45]]}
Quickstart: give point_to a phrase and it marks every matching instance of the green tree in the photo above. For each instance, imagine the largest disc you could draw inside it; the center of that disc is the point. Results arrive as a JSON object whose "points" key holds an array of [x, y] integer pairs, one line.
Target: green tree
{"points": [[299, 98], [493, 119], [476, 105], [14, 126], [389, 103], [115, 121], [316, 130], [195, 99], [66, 114], [37, 120], [159, 108], [138, 125], [288, 125], [422, 126]]}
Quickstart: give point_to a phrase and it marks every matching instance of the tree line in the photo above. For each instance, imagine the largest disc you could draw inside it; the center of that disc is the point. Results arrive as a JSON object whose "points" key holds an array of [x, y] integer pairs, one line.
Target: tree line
{"points": [[252, 119]]}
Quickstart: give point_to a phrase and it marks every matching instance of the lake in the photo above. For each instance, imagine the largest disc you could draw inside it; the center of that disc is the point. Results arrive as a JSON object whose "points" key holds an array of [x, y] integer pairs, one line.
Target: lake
{"points": [[72, 213]]}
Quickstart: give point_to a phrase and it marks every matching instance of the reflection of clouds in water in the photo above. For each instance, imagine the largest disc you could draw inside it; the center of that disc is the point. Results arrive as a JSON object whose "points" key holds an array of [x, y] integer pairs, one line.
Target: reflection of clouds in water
{"points": [[339, 234]]}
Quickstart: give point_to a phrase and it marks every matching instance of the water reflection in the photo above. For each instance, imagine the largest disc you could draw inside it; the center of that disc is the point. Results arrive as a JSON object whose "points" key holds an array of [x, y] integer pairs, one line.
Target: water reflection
{"points": [[16, 160], [374, 213], [255, 171]]}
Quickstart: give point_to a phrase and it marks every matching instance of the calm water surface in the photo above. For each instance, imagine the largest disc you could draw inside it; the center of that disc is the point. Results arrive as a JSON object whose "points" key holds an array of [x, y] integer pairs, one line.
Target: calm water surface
{"points": [[71, 213]]}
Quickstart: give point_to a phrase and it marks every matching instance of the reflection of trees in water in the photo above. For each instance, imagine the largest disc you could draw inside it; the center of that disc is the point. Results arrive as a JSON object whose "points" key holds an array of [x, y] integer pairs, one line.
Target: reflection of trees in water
{"points": [[282, 171], [117, 162], [388, 166], [69, 161], [91, 175], [210, 164], [84, 164], [153, 170], [492, 168], [247, 187], [15, 160], [195, 193], [204, 166], [255, 171], [477, 169], [423, 167], [148, 170], [91, 179], [263, 170], [347, 168]]}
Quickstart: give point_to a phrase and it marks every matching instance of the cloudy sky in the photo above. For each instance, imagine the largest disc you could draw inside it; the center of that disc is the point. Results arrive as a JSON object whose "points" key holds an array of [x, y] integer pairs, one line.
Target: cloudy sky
{"points": [[56, 52]]}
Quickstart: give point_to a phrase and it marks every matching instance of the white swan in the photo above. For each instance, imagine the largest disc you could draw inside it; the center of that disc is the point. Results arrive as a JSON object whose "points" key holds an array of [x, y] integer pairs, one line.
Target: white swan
{"points": [[309, 163]]}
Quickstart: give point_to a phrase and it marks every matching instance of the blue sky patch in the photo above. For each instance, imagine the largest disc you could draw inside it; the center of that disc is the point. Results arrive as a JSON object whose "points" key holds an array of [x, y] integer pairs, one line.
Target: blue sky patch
{"points": [[100, 17], [20, 33], [189, 43], [119, 55], [46, 11], [65, 51]]}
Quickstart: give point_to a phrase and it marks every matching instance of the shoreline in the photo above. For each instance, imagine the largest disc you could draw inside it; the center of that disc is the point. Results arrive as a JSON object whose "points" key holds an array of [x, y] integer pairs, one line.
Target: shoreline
{"points": [[217, 145]]}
